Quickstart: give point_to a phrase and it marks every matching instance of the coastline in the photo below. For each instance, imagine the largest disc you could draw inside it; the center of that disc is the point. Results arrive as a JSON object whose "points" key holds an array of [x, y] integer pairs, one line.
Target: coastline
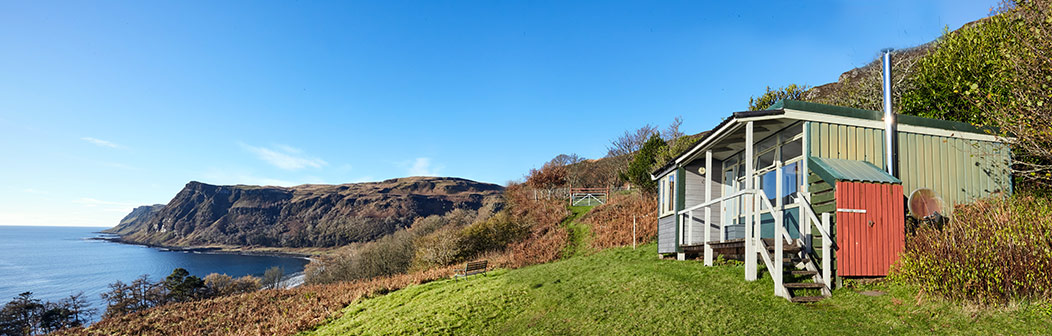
{"points": [[113, 238]]}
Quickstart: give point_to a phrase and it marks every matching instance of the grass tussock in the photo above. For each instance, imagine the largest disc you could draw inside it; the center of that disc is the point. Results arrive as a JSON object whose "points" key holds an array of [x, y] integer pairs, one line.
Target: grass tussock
{"points": [[611, 223], [993, 251]]}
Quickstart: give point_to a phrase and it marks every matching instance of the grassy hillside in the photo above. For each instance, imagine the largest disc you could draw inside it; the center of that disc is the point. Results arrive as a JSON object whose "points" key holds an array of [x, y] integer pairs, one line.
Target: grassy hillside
{"points": [[626, 291]]}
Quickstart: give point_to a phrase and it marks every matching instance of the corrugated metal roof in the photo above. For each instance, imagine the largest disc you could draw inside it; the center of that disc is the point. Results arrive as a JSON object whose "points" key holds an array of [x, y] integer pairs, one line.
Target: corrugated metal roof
{"points": [[832, 170]]}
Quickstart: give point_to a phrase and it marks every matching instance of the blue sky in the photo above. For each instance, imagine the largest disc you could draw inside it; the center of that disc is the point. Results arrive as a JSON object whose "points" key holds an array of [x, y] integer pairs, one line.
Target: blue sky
{"points": [[105, 105]]}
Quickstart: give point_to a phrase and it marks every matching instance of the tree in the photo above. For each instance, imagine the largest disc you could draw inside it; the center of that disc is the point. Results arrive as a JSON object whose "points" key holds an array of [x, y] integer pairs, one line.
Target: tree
{"points": [[769, 97], [638, 172], [79, 309], [181, 286], [677, 142], [1011, 87], [139, 295], [548, 178], [631, 141], [20, 316], [566, 159], [272, 277]]}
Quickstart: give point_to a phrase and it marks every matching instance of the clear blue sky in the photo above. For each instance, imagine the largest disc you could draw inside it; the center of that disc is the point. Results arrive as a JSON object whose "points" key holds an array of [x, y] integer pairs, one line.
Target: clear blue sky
{"points": [[105, 105]]}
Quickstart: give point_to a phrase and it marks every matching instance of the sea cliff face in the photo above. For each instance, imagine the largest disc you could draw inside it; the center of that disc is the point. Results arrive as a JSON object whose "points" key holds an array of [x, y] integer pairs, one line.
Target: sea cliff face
{"points": [[300, 216]]}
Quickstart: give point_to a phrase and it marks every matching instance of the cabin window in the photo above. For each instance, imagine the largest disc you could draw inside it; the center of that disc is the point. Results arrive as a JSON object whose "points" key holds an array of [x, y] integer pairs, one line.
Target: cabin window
{"points": [[671, 193], [790, 182]]}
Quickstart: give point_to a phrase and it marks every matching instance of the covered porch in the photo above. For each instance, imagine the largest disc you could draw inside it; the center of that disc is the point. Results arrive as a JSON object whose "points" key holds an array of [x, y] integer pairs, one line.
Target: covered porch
{"points": [[745, 197]]}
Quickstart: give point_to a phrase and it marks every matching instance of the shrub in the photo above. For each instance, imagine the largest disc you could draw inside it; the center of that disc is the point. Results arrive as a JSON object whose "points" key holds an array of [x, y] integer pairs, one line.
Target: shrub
{"points": [[492, 234], [992, 251], [221, 284], [389, 255]]}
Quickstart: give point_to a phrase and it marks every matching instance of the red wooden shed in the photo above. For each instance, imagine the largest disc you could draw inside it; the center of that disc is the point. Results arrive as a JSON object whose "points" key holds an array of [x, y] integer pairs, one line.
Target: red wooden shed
{"points": [[870, 215]]}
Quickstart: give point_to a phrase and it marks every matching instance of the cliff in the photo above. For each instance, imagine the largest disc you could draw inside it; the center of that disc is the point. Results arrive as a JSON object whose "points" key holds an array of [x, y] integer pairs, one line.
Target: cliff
{"points": [[300, 216], [135, 219]]}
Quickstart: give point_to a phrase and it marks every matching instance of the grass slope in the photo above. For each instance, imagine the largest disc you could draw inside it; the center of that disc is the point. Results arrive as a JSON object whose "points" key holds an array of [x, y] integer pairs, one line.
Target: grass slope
{"points": [[580, 233], [631, 292]]}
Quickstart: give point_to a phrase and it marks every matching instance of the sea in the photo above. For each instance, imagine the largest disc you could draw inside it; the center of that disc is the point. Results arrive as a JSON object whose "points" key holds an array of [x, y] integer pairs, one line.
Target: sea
{"points": [[56, 262]]}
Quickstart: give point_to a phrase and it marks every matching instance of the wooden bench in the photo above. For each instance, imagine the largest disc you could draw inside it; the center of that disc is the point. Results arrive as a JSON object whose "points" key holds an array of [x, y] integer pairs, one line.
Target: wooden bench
{"points": [[474, 267]]}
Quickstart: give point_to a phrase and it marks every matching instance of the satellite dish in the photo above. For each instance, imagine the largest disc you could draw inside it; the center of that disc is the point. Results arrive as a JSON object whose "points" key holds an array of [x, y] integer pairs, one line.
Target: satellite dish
{"points": [[924, 203]]}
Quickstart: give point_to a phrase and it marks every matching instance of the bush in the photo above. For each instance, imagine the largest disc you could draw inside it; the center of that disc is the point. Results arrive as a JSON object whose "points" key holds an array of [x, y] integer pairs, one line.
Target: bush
{"points": [[222, 284], [993, 251], [272, 277]]}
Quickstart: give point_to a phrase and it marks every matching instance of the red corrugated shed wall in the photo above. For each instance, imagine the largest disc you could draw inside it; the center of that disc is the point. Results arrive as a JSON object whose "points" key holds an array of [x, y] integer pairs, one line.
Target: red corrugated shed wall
{"points": [[869, 242]]}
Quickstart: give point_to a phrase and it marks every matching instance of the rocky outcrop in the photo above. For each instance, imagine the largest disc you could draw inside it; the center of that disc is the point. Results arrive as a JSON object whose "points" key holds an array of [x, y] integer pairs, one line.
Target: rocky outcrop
{"points": [[135, 219], [300, 216]]}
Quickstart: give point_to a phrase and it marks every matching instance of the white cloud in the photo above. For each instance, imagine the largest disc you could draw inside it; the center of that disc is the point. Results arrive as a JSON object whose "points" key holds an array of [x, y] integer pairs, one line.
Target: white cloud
{"points": [[285, 157], [101, 143], [423, 167]]}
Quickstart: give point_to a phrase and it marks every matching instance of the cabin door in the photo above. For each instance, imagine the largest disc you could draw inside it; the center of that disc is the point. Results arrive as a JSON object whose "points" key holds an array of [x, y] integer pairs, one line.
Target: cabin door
{"points": [[869, 227]]}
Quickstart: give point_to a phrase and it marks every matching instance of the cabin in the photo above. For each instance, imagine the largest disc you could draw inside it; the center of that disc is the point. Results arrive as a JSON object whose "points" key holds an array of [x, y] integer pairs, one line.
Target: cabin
{"points": [[811, 191]]}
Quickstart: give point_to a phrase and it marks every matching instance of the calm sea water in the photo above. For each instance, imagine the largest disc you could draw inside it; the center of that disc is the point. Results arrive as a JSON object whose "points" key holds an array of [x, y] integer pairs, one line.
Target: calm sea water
{"points": [[55, 262]]}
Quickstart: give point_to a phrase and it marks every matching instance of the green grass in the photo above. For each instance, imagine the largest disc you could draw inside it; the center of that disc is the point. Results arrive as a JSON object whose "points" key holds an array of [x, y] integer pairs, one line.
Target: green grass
{"points": [[580, 234], [631, 292]]}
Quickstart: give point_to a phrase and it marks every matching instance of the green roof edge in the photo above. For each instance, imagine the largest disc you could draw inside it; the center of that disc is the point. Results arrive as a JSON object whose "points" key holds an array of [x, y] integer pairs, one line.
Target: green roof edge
{"points": [[876, 115]]}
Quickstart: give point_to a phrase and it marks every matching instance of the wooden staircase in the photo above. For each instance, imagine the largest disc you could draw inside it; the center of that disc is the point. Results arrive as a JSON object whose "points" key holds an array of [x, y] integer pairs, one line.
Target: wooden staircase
{"points": [[801, 279], [803, 285]]}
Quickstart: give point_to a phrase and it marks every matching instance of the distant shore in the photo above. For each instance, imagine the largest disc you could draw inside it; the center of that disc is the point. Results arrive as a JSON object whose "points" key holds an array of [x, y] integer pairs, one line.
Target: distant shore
{"points": [[208, 249]]}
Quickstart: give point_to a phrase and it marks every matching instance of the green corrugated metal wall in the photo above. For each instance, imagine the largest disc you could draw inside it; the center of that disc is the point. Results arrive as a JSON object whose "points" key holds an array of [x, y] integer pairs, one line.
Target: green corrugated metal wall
{"points": [[958, 170]]}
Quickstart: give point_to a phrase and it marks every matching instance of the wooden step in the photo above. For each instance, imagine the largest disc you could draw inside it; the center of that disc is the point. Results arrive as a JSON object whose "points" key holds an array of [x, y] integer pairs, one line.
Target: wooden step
{"points": [[804, 285], [794, 260], [806, 299], [785, 249], [804, 273]]}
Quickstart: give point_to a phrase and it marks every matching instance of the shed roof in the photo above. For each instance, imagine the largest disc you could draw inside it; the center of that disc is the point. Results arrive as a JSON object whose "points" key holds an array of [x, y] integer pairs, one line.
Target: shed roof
{"points": [[832, 170], [799, 110]]}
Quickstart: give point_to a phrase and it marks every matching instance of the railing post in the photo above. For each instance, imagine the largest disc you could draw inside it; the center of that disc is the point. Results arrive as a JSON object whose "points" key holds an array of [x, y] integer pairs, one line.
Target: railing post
{"points": [[779, 254], [827, 246], [708, 209], [723, 220], [680, 255], [690, 231], [750, 242]]}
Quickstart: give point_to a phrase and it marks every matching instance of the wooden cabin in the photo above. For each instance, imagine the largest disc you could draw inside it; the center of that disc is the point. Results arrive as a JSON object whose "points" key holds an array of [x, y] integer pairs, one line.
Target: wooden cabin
{"points": [[817, 176]]}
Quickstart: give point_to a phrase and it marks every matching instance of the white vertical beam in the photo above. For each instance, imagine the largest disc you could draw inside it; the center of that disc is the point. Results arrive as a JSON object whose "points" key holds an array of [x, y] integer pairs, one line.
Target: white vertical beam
{"points": [[723, 204], [690, 234], [750, 241], [827, 246], [708, 210]]}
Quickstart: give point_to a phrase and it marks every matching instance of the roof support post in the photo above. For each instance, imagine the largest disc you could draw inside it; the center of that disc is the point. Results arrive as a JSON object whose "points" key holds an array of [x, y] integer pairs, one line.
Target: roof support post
{"points": [[708, 210], [750, 207]]}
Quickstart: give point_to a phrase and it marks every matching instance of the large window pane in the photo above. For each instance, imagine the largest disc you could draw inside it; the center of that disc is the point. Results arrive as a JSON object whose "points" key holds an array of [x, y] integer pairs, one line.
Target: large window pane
{"points": [[790, 182], [769, 183], [792, 150]]}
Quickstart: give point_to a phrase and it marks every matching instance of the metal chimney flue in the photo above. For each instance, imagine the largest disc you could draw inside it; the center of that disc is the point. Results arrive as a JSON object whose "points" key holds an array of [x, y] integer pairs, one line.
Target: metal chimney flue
{"points": [[891, 154]]}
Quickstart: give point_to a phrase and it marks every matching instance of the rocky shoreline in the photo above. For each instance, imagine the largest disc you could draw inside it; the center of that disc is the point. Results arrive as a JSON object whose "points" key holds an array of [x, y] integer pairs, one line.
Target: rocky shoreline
{"points": [[204, 249]]}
